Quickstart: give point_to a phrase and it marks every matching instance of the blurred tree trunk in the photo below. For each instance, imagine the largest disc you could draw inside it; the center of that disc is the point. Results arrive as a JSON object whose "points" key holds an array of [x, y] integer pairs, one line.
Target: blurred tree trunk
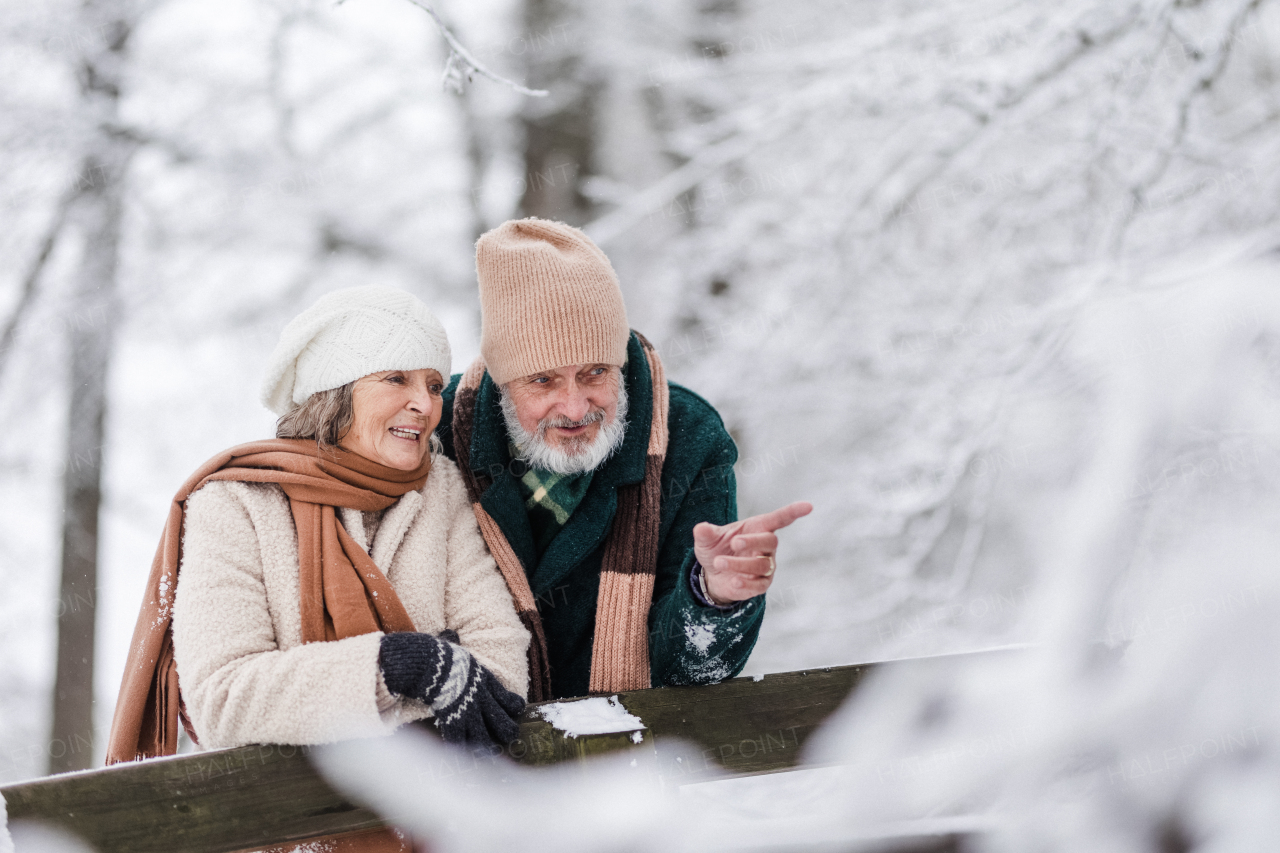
{"points": [[622, 79], [91, 327], [478, 158], [560, 133]]}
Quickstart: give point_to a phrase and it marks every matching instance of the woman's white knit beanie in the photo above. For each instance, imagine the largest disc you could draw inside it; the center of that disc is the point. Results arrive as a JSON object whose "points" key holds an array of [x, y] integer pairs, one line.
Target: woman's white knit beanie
{"points": [[348, 334]]}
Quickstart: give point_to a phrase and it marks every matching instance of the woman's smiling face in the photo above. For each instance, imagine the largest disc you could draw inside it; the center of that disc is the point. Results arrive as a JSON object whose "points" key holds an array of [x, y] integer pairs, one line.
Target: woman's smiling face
{"points": [[393, 415]]}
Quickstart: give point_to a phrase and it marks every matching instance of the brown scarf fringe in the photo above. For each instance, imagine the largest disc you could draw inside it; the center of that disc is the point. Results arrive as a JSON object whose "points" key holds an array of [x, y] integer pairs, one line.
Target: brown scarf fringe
{"points": [[620, 651]]}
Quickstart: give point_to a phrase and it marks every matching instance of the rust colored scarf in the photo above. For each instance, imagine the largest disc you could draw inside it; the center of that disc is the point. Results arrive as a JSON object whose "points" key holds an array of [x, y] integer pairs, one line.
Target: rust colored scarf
{"points": [[343, 593], [620, 644]]}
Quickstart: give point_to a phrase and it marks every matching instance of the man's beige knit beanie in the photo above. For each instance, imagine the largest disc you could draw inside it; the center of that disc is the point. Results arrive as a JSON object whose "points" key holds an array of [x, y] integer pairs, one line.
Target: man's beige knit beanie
{"points": [[548, 298]]}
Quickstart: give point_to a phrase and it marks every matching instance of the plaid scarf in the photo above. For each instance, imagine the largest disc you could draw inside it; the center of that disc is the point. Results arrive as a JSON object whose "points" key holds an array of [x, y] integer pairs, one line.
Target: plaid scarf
{"points": [[549, 499], [620, 646]]}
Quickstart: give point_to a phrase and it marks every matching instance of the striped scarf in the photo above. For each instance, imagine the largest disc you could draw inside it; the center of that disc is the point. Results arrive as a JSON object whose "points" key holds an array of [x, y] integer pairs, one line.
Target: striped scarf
{"points": [[620, 650]]}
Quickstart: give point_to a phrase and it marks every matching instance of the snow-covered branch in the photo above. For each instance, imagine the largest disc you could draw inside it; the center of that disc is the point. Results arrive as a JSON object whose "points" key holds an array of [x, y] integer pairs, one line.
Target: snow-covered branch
{"points": [[1204, 75], [461, 65]]}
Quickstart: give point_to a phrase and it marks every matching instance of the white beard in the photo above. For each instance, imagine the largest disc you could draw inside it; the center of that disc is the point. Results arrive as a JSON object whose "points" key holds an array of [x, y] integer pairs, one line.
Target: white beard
{"points": [[577, 457]]}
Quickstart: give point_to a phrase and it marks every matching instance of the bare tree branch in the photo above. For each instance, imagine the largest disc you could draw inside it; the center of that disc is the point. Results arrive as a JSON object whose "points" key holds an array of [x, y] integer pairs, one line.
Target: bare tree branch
{"points": [[737, 146], [1085, 45], [1208, 70], [461, 65], [284, 111], [684, 178], [179, 152], [31, 280]]}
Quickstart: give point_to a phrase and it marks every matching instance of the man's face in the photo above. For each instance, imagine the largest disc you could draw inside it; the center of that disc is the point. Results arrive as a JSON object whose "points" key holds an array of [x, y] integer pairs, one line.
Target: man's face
{"points": [[569, 405]]}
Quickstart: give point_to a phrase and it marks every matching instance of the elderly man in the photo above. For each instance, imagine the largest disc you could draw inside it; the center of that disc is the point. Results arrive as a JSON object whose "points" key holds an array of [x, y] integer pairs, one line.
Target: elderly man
{"points": [[606, 494]]}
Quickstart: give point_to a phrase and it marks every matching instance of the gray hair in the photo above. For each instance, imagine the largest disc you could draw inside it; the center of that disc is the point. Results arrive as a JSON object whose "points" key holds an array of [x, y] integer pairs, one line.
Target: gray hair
{"points": [[326, 416]]}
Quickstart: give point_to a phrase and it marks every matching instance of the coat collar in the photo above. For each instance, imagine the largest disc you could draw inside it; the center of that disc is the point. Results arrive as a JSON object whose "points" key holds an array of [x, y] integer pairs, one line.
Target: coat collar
{"points": [[391, 530], [589, 524]]}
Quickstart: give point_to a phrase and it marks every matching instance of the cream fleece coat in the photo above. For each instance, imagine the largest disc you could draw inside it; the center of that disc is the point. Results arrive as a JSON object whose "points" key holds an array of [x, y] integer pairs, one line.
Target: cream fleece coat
{"points": [[246, 676]]}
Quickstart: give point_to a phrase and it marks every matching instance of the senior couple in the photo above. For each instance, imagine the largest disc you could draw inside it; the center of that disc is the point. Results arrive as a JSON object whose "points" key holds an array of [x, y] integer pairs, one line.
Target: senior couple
{"points": [[557, 520]]}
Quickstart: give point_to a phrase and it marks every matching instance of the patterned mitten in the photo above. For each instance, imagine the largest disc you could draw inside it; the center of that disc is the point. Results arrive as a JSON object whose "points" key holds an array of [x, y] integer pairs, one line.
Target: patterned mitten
{"points": [[469, 703]]}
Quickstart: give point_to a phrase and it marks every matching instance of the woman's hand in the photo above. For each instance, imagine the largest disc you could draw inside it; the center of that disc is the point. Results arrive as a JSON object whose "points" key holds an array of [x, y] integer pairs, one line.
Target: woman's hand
{"points": [[470, 705]]}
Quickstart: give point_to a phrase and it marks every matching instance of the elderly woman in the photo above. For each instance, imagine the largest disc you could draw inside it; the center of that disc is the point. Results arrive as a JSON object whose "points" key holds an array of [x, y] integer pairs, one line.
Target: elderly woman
{"points": [[333, 581]]}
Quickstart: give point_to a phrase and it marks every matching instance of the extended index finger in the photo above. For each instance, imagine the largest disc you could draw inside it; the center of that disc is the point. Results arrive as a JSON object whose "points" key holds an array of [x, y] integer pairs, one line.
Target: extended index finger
{"points": [[777, 519]]}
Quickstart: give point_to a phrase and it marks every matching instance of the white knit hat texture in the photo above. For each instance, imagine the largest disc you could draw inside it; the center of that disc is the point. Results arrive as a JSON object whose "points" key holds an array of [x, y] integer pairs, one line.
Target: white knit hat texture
{"points": [[348, 334]]}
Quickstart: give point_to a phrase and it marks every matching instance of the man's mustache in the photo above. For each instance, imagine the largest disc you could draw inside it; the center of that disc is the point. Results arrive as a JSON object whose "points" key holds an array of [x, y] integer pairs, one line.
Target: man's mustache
{"points": [[562, 422]]}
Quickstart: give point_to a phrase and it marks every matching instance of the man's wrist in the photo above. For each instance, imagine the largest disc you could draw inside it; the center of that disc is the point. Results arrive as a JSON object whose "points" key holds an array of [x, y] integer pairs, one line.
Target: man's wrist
{"points": [[702, 595]]}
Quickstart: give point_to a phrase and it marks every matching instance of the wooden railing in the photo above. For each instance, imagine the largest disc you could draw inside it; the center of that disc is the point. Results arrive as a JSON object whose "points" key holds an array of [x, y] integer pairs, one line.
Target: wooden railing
{"points": [[253, 796]]}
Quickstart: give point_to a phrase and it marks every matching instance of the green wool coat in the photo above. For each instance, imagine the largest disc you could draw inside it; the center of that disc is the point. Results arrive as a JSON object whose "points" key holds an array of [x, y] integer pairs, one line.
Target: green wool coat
{"points": [[688, 642]]}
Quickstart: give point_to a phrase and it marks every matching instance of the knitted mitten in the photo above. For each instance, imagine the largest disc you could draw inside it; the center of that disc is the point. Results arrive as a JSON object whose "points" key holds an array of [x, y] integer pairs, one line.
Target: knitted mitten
{"points": [[469, 703]]}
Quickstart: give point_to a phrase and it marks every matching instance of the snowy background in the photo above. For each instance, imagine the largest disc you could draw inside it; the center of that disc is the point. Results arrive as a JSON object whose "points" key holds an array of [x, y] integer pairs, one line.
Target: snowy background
{"points": [[995, 285]]}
